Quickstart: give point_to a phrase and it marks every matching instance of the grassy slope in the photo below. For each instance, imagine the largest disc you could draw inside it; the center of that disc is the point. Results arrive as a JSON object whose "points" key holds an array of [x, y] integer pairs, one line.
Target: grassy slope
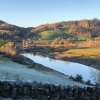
{"points": [[87, 56], [84, 53]]}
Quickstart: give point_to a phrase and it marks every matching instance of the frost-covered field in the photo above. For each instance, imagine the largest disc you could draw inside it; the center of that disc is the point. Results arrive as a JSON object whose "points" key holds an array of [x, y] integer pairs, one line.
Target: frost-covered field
{"points": [[24, 98], [12, 71]]}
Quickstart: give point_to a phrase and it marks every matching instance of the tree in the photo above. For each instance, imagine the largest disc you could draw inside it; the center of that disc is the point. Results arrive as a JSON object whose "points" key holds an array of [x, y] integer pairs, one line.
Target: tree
{"points": [[88, 82], [79, 78], [54, 34]]}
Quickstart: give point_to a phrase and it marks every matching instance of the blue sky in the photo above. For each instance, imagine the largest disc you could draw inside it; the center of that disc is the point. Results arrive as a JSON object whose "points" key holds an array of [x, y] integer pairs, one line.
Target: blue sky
{"points": [[35, 12]]}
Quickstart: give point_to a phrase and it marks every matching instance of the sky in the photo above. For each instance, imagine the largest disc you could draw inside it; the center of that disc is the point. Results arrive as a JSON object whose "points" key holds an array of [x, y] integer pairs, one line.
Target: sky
{"points": [[29, 13]]}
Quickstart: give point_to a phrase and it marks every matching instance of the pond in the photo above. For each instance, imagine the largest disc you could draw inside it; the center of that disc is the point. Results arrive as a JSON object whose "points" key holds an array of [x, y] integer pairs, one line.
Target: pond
{"points": [[67, 68]]}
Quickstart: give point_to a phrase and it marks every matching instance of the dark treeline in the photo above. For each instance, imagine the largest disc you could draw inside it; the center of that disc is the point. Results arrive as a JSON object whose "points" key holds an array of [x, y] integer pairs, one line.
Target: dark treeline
{"points": [[38, 91]]}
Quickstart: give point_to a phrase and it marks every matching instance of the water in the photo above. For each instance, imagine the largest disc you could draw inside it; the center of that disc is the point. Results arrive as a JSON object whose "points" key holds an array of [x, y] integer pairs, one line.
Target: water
{"points": [[67, 68], [12, 71]]}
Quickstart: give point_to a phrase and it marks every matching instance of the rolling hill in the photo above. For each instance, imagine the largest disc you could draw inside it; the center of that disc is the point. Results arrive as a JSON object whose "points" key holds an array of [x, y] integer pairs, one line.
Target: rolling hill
{"points": [[81, 30]]}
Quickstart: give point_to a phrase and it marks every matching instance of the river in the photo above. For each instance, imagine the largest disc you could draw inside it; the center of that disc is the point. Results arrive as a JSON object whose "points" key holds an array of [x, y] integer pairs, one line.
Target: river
{"points": [[67, 68], [55, 71], [12, 71]]}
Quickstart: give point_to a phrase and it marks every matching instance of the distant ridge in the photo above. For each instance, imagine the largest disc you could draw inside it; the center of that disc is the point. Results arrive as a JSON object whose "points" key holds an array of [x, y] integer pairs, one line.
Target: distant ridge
{"points": [[73, 28]]}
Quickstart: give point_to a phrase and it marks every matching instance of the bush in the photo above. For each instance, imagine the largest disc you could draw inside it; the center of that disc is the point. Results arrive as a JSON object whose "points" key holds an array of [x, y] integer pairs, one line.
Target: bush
{"points": [[2, 42], [53, 34], [79, 78]]}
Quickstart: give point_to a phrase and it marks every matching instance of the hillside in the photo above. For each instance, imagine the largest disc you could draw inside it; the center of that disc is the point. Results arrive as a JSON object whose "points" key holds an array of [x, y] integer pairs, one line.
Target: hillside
{"points": [[12, 32], [72, 29], [77, 30]]}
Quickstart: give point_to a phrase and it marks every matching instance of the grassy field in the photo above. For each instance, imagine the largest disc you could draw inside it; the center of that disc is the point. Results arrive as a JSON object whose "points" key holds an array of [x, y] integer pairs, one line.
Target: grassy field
{"points": [[83, 53]]}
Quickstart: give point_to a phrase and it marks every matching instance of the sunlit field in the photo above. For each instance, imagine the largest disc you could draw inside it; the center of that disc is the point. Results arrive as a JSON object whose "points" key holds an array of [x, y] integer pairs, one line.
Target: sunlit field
{"points": [[84, 53]]}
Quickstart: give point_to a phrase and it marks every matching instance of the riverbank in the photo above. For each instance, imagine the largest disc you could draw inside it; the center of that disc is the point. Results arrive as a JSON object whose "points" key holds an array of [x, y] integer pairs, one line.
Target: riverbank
{"points": [[86, 56]]}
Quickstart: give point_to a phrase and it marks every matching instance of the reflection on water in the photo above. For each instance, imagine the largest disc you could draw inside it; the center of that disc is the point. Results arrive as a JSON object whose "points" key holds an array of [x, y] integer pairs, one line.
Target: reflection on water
{"points": [[67, 68]]}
